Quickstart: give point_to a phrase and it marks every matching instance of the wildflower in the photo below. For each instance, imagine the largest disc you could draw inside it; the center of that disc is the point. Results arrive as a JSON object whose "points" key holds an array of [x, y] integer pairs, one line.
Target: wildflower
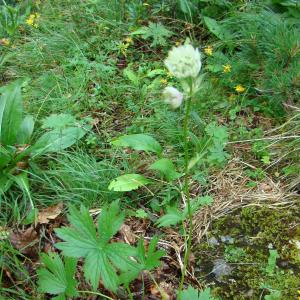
{"points": [[227, 68], [32, 20], [5, 42], [184, 61], [172, 97], [146, 4], [239, 88], [208, 50], [169, 75], [177, 43], [129, 40], [164, 81]]}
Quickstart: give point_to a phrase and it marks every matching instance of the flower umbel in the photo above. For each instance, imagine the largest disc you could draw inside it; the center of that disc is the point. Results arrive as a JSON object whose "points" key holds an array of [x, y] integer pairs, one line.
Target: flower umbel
{"points": [[184, 62], [239, 88], [208, 50], [172, 97], [227, 68]]}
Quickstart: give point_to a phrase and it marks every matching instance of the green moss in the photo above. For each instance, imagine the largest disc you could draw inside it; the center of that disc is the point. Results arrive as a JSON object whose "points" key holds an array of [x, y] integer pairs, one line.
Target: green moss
{"points": [[255, 230]]}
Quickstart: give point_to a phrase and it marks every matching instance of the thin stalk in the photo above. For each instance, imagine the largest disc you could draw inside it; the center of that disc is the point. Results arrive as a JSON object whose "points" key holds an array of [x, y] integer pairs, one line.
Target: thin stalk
{"points": [[186, 184]]}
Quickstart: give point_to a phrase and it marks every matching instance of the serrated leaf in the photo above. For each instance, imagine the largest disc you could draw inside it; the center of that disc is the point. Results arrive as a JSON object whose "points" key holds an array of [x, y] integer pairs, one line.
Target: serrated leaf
{"points": [[215, 28], [192, 294], [140, 142], [102, 260], [57, 278], [172, 217], [59, 121], [128, 182], [197, 203], [166, 168], [149, 259]]}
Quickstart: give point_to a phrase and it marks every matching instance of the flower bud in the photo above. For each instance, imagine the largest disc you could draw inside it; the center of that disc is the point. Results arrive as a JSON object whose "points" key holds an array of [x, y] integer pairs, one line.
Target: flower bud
{"points": [[172, 97]]}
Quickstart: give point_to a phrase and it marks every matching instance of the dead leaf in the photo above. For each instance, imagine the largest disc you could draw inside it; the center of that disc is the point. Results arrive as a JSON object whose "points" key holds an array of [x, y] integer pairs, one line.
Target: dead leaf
{"points": [[25, 241], [127, 234], [49, 213]]}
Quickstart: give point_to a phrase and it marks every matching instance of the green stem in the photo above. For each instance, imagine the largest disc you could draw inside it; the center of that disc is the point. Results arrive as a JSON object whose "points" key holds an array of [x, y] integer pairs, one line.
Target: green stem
{"points": [[186, 185], [129, 293]]}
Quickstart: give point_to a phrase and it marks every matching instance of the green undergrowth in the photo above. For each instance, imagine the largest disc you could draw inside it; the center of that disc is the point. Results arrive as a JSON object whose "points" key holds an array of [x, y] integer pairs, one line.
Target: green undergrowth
{"points": [[101, 63]]}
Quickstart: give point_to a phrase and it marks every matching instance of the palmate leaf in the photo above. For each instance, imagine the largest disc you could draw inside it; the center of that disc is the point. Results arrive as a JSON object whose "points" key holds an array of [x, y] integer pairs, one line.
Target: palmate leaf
{"points": [[102, 260], [57, 278], [140, 142], [128, 182], [192, 294], [149, 259]]}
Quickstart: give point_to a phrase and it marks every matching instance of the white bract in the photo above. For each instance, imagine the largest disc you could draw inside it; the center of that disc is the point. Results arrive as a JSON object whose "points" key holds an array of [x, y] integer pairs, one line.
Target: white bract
{"points": [[184, 61], [172, 96]]}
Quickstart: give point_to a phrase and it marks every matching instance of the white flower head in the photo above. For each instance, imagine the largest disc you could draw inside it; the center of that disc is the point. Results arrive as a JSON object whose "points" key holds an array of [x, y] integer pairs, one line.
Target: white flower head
{"points": [[184, 61], [172, 97]]}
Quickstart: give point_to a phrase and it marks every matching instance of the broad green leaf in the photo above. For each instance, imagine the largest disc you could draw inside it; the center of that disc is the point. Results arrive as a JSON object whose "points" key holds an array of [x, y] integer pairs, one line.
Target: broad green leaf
{"points": [[57, 140], [128, 182], [192, 294], [186, 6], [140, 142], [215, 28], [59, 121], [166, 168], [23, 182], [57, 278], [172, 217], [26, 130], [102, 260], [10, 113], [273, 255], [133, 77]]}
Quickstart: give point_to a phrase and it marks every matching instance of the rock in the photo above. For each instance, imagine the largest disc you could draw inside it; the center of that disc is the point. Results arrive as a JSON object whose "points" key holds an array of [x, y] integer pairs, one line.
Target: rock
{"points": [[221, 269], [213, 241]]}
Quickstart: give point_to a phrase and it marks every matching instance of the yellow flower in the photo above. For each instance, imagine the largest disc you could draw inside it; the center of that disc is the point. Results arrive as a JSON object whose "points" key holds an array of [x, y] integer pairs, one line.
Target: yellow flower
{"points": [[5, 42], [32, 20], [208, 50], [129, 40], [146, 4], [164, 81], [239, 88], [169, 74], [177, 43], [227, 68]]}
